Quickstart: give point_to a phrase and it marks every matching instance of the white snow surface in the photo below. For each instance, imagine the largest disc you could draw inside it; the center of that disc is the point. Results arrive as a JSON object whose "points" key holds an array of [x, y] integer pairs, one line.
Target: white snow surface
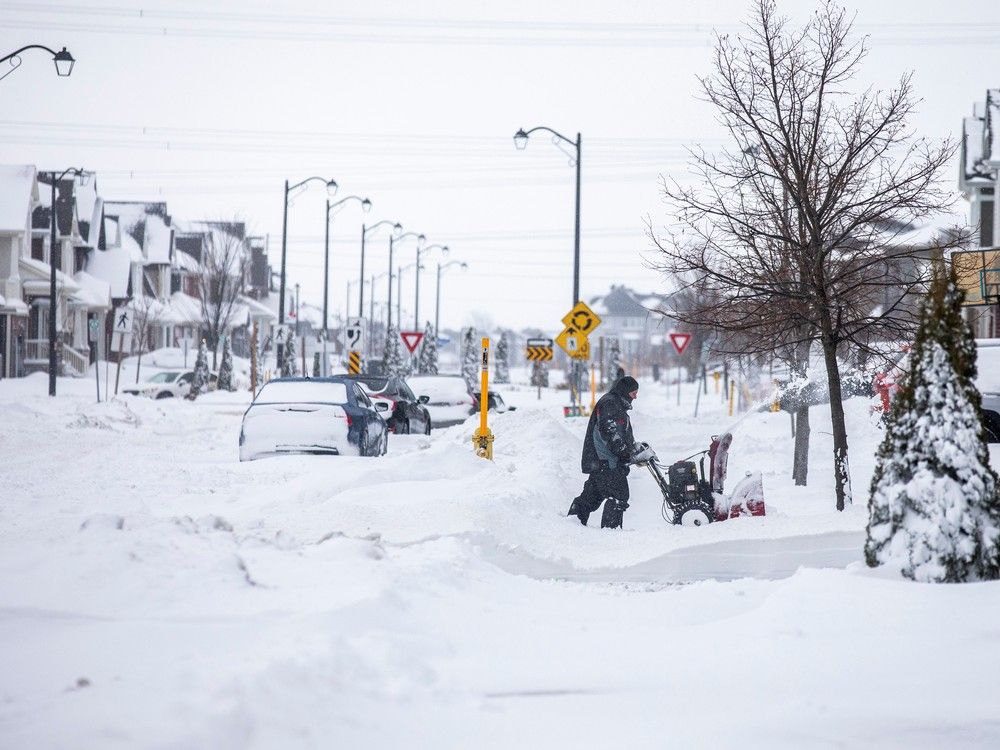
{"points": [[156, 593]]}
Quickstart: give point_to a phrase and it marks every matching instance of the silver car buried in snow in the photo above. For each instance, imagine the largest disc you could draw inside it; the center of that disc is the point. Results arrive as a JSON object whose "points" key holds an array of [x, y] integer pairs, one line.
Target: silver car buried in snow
{"points": [[330, 416]]}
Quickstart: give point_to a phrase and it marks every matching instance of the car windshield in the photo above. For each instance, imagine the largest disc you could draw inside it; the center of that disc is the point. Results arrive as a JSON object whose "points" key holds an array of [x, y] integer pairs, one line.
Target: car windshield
{"points": [[302, 392], [988, 369], [164, 377], [373, 384], [439, 388]]}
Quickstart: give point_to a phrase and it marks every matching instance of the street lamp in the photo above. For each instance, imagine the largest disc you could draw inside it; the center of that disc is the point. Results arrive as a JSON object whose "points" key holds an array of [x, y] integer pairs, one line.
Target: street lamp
{"points": [[366, 206], [331, 188], [437, 301], [399, 291], [396, 229], [416, 301], [521, 143], [392, 240], [53, 257], [63, 60]]}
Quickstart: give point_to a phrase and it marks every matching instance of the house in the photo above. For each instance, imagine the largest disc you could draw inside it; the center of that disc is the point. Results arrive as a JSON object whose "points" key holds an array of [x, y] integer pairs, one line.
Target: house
{"points": [[18, 198], [979, 181], [631, 318]]}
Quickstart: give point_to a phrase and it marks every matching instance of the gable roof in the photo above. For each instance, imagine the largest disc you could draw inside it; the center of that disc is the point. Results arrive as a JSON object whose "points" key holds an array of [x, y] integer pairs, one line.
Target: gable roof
{"points": [[18, 196]]}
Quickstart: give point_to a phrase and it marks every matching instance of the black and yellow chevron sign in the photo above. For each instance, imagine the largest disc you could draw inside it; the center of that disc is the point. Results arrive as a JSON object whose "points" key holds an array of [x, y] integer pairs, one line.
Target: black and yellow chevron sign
{"points": [[538, 353], [354, 362]]}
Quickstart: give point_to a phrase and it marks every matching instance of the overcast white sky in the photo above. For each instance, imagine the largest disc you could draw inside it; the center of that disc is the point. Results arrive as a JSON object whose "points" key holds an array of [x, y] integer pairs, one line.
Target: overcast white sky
{"points": [[210, 106]]}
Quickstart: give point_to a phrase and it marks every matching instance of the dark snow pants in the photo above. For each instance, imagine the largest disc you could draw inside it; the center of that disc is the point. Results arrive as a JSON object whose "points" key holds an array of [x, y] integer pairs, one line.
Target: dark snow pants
{"points": [[608, 486]]}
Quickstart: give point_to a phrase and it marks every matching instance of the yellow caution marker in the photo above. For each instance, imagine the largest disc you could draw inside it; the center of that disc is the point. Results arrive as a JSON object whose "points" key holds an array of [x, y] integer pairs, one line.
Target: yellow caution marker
{"points": [[482, 440]]}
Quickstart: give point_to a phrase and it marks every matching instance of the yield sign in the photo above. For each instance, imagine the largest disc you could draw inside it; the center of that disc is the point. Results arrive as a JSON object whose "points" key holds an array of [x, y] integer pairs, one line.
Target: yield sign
{"points": [[680, 341], [411, 339]]}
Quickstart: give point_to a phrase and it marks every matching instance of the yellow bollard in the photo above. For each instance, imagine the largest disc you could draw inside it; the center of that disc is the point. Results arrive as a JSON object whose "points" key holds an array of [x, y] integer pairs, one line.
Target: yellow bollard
{"points": [[776, 402], [482, 439], [716, 377], [732, 395]]}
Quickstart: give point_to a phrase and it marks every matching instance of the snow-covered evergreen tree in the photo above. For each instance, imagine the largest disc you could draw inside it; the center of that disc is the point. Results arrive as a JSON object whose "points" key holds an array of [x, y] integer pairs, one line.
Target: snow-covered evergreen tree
{"points": [[316, 365], [199, 382], [428, 364], [934, 508], [392, 357], [261, 351], [290, 363], [502, 360], [539, 375], [470, 359], [226, 367]]}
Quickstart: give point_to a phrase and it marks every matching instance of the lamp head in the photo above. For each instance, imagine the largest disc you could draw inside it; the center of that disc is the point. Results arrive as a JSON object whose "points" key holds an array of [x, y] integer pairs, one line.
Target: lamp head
{"points": [[397, 229], [463, 265], [421, 239], [64, 62], [366, 205], [331, 187], [520, 140], [84, 178], [444, 250]]}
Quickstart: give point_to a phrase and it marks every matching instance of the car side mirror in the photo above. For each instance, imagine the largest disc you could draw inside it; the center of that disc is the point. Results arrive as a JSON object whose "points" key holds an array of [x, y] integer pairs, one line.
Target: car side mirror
{"points": [[381, 406], [511, 408], [423, 399]]}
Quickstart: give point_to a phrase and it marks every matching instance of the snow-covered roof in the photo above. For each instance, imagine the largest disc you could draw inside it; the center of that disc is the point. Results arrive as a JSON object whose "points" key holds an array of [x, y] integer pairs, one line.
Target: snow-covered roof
{"points": [[94, 292], [112, 266], [258, 310], [156, 242], [184, 261], [13, 305], [36, 277], [932, 231], [18, 196], [184, 309], [991, 147], [131, 247]]}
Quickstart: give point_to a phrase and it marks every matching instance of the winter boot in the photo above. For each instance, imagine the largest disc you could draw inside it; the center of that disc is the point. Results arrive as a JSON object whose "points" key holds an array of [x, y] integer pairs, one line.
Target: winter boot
{"points": [[583, 515]]}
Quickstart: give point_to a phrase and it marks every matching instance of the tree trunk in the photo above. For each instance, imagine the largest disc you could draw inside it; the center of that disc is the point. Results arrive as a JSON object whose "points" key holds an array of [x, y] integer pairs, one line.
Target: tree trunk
{"points": [[800, 459], [841, 467]]}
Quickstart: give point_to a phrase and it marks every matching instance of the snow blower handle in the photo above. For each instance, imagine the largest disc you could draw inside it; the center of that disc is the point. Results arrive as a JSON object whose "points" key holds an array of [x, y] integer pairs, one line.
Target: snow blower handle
{"points": [[642, 453]]}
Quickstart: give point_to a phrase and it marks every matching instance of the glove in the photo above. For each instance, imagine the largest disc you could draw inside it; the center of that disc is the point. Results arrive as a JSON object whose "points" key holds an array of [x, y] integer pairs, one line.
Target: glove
{"points": [[641, 453]]}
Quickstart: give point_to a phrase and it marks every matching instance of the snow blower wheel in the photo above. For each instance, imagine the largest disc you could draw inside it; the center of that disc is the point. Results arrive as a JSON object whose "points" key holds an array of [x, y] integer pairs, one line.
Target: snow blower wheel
{"points": [[693, 513]]}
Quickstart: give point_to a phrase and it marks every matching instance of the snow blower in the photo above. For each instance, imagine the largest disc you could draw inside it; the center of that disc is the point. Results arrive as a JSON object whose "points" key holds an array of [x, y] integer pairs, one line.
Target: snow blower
{"points": [[689, 499]]}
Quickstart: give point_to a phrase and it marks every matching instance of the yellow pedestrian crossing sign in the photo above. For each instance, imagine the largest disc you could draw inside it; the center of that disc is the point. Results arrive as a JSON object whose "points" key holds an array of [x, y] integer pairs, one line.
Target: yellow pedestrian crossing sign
{"points": [[574, 343], [582, 319]]}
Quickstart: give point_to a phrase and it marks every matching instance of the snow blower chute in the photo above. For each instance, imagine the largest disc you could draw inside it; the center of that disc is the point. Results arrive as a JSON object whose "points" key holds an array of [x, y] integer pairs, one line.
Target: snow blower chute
{"points": [[689, 499]]}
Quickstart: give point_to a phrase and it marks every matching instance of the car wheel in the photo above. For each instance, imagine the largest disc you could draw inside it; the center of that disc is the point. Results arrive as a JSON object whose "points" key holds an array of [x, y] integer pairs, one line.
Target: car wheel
{"points": [[427, 426], [164, 394], [363, 444], [406, 428], [385, 443]]}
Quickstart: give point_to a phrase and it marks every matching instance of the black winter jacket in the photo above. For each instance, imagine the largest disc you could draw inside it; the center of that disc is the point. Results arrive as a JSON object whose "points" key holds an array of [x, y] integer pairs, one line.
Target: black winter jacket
{"points": [[609, 440]]}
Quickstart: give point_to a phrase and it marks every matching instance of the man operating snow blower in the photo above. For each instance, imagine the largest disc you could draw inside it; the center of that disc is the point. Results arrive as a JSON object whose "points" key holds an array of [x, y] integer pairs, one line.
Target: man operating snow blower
{"points": [[607, 451]]}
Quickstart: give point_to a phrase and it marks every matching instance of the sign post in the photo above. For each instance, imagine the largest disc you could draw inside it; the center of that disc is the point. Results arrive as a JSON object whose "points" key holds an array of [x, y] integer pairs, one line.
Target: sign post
{"points": [[580, 322], [354, 334], [680, 342], [92, 340], [123, 327], [482, 440]]}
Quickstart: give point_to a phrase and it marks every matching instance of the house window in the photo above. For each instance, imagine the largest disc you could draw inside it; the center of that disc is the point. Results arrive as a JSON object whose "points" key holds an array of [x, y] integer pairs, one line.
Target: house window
{"points": [[38, 248], [986, 223]]}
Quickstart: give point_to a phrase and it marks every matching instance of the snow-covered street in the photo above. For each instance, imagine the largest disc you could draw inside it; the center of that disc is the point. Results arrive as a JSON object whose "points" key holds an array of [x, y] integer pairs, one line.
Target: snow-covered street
{"points": [[155, 592]]}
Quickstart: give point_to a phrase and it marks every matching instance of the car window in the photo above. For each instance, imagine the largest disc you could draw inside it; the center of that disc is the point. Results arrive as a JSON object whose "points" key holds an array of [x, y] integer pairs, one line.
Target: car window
{"points": [[362, 396], [406, 393], [302, 392], [184, 380], [164, 377]]}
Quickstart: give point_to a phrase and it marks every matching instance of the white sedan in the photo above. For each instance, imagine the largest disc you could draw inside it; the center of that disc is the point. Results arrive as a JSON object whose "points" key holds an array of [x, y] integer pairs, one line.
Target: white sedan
{"points": [[167, 384], [449, 401]]}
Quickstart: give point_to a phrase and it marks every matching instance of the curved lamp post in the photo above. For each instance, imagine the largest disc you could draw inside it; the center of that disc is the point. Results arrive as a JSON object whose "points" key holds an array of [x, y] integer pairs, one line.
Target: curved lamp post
{"points": [[331, 188], [437, 302], [63, 60], [366, 206], [416, 301], [392, 240], [396, 229], [53, 257]]}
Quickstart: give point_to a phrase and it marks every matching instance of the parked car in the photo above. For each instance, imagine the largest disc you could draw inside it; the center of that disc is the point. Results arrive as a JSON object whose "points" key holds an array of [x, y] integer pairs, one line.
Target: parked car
{"points": [[448, 399], [495, 403], [988, 383], [332, 416], [168, 384], [394, 400]]}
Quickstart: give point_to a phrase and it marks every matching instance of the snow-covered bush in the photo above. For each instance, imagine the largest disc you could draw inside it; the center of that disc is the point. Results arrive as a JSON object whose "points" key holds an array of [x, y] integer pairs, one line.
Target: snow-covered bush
{"points": [[614, 360], [290, 362], [502, 359], [199, 381], [934, 508], [226, 367], [428, 363], [392, 356], [316, 365], [470, 360]]}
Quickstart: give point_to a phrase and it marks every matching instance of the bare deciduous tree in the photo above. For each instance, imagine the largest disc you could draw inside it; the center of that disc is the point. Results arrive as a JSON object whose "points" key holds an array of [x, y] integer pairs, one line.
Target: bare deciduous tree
{"points": [[221, 279], [795, 235]]}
